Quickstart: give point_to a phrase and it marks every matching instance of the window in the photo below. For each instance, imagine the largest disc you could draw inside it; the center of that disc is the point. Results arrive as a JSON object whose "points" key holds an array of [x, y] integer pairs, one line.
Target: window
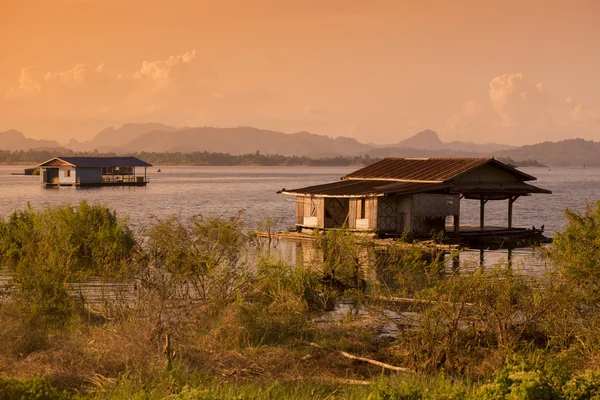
{"points": [[68, 173]]}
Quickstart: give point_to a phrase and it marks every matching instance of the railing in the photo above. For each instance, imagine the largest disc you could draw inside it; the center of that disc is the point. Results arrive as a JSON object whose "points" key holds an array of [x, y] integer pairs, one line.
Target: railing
{"points": [[116, 179]]}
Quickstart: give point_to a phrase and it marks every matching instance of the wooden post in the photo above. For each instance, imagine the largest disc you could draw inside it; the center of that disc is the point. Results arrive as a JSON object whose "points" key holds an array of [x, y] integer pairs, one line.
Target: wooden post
{"points": [[510, 211], [481, 213], [456, 221]]}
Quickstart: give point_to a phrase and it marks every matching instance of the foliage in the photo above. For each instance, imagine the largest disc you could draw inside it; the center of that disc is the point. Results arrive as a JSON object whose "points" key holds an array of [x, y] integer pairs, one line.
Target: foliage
{"points": [[576, 250], [49, 250], [411, 267], [193, 158], [520, 382], [233, 321], [343, 259], [190, 272], [583, 387], [30, 389]]}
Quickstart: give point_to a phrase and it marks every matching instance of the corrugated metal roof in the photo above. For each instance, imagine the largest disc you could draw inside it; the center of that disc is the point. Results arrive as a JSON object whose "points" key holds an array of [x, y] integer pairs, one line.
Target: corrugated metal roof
{"points": [[427, 169], [509, 188], [89, 162], [358, 188]]}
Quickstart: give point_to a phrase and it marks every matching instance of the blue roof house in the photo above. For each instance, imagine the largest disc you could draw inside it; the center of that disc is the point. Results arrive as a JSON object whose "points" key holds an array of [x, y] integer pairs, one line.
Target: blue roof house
{"points": [[94, 171]]}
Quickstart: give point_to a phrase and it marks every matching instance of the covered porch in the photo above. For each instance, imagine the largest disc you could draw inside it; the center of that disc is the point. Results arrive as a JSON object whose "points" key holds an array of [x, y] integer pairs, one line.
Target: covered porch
{"points": [[496, 192]]}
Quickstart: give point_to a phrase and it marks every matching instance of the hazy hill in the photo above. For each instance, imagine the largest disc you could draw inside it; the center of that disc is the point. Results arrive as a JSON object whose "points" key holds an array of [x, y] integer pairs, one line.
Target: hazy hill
{"points": [[429, 140], [565, 153], [243, 140], [15, 140], [111, 139]]}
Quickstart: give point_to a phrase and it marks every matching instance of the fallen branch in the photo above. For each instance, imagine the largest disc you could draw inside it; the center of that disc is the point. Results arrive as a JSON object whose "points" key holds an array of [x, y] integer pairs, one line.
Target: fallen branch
{"points": [[411, 300], [370, 361]]}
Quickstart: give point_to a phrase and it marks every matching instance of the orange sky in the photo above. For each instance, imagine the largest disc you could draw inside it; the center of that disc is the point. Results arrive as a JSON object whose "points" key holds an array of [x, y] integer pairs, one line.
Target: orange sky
{"points": [[510, 71]]}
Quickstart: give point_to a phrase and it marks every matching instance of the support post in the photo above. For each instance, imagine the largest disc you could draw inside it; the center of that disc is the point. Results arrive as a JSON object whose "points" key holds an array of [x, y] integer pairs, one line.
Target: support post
{"points": [[456, 222], [481, 213], [510, 210]]}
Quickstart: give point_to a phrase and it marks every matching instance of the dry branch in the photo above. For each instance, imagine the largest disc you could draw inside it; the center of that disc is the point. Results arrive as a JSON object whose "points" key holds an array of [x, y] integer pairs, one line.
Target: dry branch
{"points": [[370, 361]]}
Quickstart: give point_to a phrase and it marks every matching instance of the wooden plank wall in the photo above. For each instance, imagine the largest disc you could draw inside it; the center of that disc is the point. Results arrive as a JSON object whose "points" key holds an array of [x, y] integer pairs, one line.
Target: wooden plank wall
{"points": [[371, 211], [299, 210], [353, 214], [320, 204]]}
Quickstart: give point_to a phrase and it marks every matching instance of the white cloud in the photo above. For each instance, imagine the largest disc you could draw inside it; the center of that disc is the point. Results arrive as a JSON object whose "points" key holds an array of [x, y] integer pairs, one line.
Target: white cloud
{"points": [[177, 90], [74, 76], [519, 111], [28, 85]]}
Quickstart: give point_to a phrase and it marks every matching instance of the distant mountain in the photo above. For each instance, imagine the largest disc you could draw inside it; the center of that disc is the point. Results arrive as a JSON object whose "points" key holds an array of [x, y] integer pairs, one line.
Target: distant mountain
{"points": [[426, 139], [244, 140], [111, 139], [15, 140], [429, 140], [565, 153]]}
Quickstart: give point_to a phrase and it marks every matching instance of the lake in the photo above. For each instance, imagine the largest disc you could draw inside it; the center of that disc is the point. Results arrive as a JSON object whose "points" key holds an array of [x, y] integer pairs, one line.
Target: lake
{"points": [[214, 191]]}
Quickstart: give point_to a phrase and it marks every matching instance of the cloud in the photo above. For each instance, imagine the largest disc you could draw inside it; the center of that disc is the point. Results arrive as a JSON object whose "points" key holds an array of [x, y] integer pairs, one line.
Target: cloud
{"points": [[178, 90], [28, 85], [463, 118], [517, 102], [74, 76], [517, 109]]}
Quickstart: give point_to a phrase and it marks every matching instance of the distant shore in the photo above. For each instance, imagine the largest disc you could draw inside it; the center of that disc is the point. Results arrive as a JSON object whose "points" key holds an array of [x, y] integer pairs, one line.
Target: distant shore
{"points": [[35, 157]]}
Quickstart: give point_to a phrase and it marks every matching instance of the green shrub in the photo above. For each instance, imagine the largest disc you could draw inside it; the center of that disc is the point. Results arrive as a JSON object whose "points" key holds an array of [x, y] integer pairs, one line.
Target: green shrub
{"points": [[585, 386], [576, 250], [343, 259], [30, 389], [50, 249], [520, 383]]}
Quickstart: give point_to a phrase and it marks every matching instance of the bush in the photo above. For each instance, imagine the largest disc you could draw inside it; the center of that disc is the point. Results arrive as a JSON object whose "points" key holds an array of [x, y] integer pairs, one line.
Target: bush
{"points": [[520, 383], [343, 259], [576, 250], [583, 387], [49, 250], [30, 389]]}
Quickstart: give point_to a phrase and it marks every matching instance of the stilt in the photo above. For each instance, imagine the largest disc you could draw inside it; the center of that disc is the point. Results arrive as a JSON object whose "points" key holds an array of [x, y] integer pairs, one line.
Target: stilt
{"points": [[482, 213], [511, 200]]}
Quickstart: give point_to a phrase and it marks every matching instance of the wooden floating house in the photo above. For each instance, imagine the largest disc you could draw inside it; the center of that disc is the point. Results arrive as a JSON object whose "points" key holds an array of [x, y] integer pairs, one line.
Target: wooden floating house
{"points": [[93, 171], [412, 195]]}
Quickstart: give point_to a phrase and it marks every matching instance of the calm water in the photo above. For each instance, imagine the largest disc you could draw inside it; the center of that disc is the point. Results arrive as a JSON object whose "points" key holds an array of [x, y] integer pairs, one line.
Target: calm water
{"points": [[214, 191]]}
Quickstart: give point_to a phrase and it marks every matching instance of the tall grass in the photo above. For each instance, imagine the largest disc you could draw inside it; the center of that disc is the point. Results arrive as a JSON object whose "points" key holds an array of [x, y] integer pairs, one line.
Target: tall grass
{"points": [[202, 319]]}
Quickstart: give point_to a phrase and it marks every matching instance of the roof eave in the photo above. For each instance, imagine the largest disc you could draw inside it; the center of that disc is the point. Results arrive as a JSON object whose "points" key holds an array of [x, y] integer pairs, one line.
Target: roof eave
{"points": [[390, 180], [334, 196], [52, 159]]}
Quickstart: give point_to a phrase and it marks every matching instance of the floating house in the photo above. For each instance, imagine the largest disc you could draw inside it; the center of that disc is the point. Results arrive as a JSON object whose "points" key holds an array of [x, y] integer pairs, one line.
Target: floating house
{"points": [[413, 195], [94, 171]]}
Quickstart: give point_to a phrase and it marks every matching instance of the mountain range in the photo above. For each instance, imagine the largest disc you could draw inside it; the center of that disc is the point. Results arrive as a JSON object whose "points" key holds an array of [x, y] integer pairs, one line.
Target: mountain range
{"points": [[15, 140], [157, 137]]}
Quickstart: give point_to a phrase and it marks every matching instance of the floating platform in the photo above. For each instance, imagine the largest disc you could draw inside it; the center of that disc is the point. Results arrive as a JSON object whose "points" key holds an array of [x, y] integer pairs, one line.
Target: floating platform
{"points": [[470, 236], [497, 237]]}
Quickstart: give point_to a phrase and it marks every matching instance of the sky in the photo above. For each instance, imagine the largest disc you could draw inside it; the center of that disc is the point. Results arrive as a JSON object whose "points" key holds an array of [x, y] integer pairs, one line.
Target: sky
{"points": [[504, 71]]}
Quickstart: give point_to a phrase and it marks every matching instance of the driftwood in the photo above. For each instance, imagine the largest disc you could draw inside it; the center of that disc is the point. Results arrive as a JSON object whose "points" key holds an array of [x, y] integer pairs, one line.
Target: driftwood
{"points": [[411, 300], [370, 361]]}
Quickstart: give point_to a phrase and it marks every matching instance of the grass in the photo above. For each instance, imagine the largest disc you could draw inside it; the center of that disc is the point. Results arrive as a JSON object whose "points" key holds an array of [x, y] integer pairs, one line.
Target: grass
{"points": [[202, 321]]}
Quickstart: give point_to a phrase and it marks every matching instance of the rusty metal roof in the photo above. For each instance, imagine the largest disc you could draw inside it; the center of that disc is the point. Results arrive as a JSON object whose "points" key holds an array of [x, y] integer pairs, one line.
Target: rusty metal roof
{"points": [[497, 190], [360, 188], [89, 162], [427, 169], [471, 190]]}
